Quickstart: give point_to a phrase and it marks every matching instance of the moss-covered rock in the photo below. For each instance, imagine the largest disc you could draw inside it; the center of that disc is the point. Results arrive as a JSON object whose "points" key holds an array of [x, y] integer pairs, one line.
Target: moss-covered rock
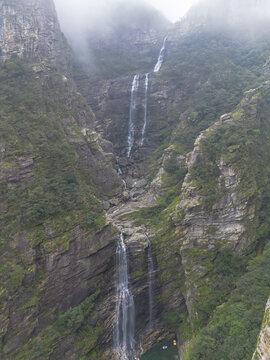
{"points": [[55, 248]]}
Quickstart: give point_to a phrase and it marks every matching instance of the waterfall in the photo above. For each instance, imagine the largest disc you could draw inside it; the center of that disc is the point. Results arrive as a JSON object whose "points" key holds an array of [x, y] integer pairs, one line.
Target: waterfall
{"points": [[134, 98], [161, 56], [132, 113], [125, 184], [151, 283], [145, 107], [1, 27], [119, 170], [124, 328]]}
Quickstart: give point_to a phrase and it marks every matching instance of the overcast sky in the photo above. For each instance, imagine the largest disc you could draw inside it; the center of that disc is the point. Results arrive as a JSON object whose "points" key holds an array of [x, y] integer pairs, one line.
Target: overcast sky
{"points": [[172, 9]]}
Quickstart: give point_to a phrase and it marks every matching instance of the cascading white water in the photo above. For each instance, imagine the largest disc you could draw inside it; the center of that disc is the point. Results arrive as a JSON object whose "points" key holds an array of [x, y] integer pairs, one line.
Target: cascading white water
{"points": [[133, 102], [132, 113], [151, 284], [124, 328], [161, 56], [125, 184], [145, 107], [119, 170]]}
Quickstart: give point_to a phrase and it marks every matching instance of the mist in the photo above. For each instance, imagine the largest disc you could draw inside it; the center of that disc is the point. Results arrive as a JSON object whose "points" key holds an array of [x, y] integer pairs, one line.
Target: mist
{"points": [[81, 17], [246, 15], [86, 21]]}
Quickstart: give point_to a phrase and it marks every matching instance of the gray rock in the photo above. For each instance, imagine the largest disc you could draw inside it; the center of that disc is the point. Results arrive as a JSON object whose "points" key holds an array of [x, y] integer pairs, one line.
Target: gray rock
{"points": [[114, 202], [106, 205], [262, 351], [225, 117], [31, 31]]}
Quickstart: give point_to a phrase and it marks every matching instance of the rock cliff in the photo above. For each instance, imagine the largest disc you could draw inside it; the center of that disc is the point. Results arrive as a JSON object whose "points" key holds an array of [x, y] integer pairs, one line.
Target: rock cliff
{"points": [[218, 213], [57, 252], [30, 30]]}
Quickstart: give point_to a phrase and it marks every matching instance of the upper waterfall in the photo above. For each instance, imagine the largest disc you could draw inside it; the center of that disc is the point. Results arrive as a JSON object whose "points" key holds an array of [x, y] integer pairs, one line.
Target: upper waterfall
{"points": [[145, 105], [161, 56], [132, 113], [135, 98]]}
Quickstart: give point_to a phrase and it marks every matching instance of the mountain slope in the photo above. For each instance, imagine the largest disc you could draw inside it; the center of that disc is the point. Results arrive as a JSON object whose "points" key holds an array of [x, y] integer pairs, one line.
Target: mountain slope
{"points": [[194, 196], [56, 249]]}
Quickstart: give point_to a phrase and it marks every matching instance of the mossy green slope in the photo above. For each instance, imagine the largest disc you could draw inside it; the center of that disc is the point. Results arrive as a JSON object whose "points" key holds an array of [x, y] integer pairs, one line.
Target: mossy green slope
{"points": [[243, 142], [53, 177], [206, 75], [228, 280]]}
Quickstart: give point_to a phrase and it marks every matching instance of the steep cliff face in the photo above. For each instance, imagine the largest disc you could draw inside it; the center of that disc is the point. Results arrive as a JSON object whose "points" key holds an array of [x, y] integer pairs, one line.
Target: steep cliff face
{"points": [[55, 171], [215, 215], [263, 347], [56, 246], [30, 30], [220, 217]]}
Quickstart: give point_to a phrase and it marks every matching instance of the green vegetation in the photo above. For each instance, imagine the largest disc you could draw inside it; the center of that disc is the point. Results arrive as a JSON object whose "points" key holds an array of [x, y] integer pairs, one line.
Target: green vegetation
{"points": [[204, 175], [229, 301], [210, 71], [73, 323], [32, 119], [243, 142], [46, 193], [232, 332]]}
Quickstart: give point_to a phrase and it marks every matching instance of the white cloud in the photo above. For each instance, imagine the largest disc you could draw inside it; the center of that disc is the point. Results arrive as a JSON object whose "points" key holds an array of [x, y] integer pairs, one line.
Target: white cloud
{"points": [[81, 17]]}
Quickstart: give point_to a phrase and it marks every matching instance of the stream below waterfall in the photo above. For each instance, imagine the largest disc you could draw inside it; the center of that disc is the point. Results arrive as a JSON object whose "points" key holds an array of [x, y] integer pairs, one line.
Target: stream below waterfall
{"points": [[158, 353]]}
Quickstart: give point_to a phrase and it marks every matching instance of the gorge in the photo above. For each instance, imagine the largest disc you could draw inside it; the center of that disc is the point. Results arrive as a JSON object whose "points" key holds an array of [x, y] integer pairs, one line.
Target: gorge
{"points": [[134, 184]]}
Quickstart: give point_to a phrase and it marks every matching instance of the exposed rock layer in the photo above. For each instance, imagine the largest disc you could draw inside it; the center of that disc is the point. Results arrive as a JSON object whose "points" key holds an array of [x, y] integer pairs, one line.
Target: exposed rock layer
{"points": [[263, 347], [30, 30]]}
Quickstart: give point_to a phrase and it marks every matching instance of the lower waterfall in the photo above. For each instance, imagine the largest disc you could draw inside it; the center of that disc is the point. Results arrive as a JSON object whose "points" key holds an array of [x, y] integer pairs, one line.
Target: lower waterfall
{"points": [[151, 282], [124, 329]]}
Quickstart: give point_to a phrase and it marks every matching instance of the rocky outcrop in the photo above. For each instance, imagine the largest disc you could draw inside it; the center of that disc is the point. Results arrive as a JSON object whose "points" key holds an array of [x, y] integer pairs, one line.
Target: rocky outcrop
{"points": [[263, 346], [30, 29], [71, 276], [213, 212]]}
